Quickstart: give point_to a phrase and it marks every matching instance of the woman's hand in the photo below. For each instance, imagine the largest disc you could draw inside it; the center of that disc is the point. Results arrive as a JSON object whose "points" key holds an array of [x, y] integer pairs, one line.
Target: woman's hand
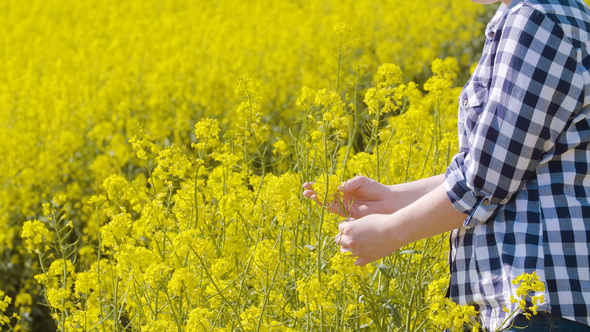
{"points": [[368, 238], [361, 196]]}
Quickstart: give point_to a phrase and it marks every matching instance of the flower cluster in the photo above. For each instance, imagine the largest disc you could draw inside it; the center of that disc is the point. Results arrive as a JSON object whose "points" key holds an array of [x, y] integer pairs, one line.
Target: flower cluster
{"points": [[527, 284], [5, 321]]}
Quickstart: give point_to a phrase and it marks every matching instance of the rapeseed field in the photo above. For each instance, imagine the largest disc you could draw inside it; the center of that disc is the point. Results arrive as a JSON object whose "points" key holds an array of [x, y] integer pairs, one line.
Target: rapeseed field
{"points": [[153, 155]]}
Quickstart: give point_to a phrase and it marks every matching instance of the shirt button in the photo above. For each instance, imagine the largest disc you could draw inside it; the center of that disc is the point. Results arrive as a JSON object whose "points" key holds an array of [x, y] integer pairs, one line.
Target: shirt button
{"points": [[465, 102], [492, 34], [486, 202]]}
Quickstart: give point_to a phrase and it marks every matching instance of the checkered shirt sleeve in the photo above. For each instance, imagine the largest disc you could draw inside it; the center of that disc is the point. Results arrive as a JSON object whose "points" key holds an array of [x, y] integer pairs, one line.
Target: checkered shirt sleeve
{"points": [[522, 174]]}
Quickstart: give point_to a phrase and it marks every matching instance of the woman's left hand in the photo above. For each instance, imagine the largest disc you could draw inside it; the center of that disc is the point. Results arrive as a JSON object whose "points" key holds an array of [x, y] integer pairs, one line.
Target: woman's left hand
{"points": [[369, 238]]}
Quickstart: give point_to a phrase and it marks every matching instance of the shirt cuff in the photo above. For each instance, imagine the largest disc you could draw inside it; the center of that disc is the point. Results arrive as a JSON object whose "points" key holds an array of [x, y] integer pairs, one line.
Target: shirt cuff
{"points": [[479, 208]]}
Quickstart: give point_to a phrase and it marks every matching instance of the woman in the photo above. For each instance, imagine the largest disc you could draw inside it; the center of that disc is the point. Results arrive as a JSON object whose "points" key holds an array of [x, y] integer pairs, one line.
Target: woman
{"points": [[515, 197]]}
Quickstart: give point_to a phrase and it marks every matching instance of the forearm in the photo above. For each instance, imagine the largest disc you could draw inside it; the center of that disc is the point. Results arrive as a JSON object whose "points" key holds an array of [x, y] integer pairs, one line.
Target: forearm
{"points": [[407, 193], [378, 235], [429, 215]]}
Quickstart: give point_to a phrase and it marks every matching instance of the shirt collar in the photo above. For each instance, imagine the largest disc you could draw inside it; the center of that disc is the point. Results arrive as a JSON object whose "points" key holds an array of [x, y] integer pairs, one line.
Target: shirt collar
{"points": [[493, 24]]}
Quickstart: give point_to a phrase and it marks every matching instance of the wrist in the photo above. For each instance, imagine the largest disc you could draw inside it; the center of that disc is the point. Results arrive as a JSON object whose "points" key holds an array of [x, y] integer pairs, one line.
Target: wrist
{"points": [[398, 229]]}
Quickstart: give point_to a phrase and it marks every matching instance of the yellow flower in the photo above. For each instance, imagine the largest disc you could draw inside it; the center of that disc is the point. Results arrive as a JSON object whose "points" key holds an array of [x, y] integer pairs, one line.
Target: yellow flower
{"points": [[114, 186], [281, 148], [391, 73], [207, 131], [35, 235], [342, 27]]}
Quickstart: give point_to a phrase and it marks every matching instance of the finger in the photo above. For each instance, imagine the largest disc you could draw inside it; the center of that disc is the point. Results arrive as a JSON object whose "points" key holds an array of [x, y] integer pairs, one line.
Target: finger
{"points": [[308, 185], [345, 249], [308, 193]]}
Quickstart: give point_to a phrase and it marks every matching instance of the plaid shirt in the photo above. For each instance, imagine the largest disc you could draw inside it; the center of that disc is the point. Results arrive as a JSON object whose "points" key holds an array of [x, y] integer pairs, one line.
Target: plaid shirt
{"points": [[522, 174]]}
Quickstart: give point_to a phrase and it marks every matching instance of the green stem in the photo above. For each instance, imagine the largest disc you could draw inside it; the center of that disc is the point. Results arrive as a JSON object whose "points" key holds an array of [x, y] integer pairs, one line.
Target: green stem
{"points": [[352, 136]]}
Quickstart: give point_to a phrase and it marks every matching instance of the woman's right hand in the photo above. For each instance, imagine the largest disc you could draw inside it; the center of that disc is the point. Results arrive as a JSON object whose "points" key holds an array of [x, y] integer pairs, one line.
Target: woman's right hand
{"points": [[361, 196]]}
